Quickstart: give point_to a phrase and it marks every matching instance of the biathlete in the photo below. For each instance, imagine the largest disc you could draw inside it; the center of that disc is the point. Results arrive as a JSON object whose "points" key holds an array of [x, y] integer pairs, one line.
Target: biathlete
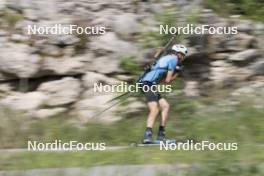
{"points": [[164, 69]]}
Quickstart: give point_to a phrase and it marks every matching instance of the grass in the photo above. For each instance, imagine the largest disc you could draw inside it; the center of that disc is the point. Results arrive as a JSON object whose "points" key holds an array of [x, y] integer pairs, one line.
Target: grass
{"points": [[151, 155], [243, 124]]}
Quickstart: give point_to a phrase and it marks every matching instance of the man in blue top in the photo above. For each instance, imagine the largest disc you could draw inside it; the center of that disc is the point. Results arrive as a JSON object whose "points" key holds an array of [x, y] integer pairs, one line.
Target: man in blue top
{"points": [[163, 70]]}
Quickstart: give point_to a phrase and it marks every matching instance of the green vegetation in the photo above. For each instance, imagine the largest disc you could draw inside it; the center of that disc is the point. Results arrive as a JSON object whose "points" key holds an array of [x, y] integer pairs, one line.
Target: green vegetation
{"points": [[154, 39], [80, 47], [11, 17], [242, 124], [129, 64], [253, 9], [248, 159], [193, 16]]}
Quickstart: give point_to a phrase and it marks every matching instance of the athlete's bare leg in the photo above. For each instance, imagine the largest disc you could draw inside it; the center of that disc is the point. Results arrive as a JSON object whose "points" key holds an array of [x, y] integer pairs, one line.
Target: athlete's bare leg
{"points": [[165, 107], [153, 113]]}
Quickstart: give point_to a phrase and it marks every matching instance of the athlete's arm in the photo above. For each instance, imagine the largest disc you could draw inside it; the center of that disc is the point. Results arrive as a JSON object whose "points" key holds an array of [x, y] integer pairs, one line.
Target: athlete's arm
{"points": [[174, 76], [169, 77], [171, 71]]}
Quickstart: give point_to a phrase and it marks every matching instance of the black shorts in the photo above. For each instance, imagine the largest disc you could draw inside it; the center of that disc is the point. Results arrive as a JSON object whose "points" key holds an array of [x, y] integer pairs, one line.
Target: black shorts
{"points": [[150, 91]]}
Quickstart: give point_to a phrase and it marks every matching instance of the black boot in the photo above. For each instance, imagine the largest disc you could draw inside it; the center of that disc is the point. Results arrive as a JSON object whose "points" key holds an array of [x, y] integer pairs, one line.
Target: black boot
{"points": [[161, 134]]}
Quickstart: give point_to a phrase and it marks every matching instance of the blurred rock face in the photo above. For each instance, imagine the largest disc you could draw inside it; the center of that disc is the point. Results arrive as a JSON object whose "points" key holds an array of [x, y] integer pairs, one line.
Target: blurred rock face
{"points": [[17, 59], [60, 69]]}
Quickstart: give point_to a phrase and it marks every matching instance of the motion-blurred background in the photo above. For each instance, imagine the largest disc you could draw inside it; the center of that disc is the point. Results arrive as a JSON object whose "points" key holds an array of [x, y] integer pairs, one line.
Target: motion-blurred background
{"points": [[46, 86]]}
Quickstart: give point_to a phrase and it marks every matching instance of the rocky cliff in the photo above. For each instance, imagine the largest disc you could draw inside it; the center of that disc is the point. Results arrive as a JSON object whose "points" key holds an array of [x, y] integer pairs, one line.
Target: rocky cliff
{"points": [[45, 75]]}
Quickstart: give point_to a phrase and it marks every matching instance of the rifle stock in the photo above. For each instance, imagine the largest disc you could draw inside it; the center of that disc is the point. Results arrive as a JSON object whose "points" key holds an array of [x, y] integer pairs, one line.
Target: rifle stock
{"points": [[161, 51]]}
